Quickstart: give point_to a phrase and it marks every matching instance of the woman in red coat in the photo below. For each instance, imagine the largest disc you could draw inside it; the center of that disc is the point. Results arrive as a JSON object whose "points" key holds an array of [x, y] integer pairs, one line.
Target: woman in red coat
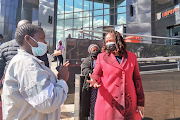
{"points": [[120, 95]]}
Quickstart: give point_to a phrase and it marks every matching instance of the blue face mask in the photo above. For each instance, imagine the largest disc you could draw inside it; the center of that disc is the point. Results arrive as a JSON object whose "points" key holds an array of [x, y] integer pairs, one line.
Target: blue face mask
{"points": [[40, 50]]}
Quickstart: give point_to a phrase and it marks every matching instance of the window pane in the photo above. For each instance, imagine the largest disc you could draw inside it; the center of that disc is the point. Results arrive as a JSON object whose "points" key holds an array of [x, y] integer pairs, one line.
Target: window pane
{"points": [[60, 24], [61, 16], [88, 34], [88, 5], [98, 12], [77, 34], [106, 20], [108, 11], [60, 7], [68, 6], [120, 2], [87, 13], [98, 36], [106, 4], [78, 14], [78, 5], [121, 19], [78, 23], [68, 24], [98, 21], [59, 35], [98, 5], [121, 9], [69, 15], [87, 22]]}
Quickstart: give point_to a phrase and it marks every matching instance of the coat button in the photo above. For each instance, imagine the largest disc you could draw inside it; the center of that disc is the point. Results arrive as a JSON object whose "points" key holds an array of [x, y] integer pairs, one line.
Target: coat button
{"points": [[128, 95], [126, 83], [115, 96]]}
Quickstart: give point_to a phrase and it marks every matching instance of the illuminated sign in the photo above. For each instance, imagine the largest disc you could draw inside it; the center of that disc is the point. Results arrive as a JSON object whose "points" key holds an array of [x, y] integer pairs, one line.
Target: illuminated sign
{"points": [[167, 13]]}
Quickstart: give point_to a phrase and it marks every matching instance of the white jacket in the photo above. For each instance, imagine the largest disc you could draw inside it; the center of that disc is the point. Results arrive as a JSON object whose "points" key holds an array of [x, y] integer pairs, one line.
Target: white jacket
{"points": [[31, 90]]}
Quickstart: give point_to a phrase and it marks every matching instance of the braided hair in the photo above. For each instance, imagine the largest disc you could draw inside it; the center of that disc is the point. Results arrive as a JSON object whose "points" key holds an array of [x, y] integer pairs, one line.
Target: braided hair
{"points": [[25, 29], [120, 44]]}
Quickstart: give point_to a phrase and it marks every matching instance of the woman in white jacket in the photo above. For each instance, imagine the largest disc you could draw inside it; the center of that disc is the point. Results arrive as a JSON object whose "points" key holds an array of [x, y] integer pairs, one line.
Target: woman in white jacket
{"points": [[31, 91]]}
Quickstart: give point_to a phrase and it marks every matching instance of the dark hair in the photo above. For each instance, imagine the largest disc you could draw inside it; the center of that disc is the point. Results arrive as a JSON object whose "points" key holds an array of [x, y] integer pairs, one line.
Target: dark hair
{"points": [[1, 36], [119, 41], [25, 29]]}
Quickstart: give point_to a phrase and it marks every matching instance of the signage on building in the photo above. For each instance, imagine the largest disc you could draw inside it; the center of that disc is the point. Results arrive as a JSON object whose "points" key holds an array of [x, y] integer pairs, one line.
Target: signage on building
{"points": [[133, 39], [167, 13]]}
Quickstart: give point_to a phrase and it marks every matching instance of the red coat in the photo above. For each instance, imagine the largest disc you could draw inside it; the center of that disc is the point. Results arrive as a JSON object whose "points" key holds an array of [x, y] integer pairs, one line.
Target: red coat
{"points": [[121, 87]]}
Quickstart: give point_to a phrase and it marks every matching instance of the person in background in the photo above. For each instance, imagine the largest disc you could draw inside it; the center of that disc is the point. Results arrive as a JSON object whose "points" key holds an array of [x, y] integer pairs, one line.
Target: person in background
{"points": [[69, 36], [50, 59], [32, 90], [60, 47], [89, 94], [1, 39], [120, 94]]}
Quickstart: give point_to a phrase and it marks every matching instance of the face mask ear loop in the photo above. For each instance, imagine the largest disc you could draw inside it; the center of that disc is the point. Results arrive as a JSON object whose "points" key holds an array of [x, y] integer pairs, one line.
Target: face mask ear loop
{"points": [[33, 39]]}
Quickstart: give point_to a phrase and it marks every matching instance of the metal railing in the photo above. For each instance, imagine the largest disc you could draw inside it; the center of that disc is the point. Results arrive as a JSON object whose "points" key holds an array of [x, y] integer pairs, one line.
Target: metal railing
{"points": [[175, 58]]}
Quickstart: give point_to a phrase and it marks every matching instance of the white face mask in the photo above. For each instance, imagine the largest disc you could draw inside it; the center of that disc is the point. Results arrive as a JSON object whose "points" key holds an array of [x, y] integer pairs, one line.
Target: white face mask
{"points": [[40, 50]]}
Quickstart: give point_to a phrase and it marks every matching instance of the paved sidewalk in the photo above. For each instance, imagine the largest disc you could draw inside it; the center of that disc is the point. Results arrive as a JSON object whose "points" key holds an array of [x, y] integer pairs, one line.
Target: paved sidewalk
{"points": [[67, 111]]}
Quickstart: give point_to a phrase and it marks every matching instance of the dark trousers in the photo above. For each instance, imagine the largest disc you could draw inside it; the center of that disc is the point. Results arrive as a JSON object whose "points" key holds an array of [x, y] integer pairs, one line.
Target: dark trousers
{"points": [[60, 59]]}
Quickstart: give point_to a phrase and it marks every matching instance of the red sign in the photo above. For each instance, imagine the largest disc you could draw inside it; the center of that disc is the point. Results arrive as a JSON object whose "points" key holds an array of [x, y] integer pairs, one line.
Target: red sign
{"points": [[133, 39]]}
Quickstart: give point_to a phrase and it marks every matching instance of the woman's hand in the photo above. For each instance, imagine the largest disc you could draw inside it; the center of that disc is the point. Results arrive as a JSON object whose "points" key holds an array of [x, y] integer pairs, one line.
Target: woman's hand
{"points": [[140, 108], [93, 82], [63, 72]]}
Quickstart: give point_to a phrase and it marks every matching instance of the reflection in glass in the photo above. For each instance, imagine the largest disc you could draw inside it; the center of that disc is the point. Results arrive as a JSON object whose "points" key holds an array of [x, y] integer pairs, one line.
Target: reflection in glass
{"points": [[107, 11], [78, 5], [69, 15], [78, 14], [98, 21], [145, 8], [106, 5], [87, 22], [77, 34], [78, 23], [68, 6], [106, 20], [59, 35], [121, 10], [87, 13], [35, 14], [6, 17], [98, 5], [98, 12], [88, 5], [121, 19], [120, 2], [144, 18], [60, 7], [61, 16], [60, 24], [98, 36], [68, 23]]}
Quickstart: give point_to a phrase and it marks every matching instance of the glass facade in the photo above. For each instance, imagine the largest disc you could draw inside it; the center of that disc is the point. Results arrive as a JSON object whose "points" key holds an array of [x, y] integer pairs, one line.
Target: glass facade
{"points": [[35, 11], [74, 15]]}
